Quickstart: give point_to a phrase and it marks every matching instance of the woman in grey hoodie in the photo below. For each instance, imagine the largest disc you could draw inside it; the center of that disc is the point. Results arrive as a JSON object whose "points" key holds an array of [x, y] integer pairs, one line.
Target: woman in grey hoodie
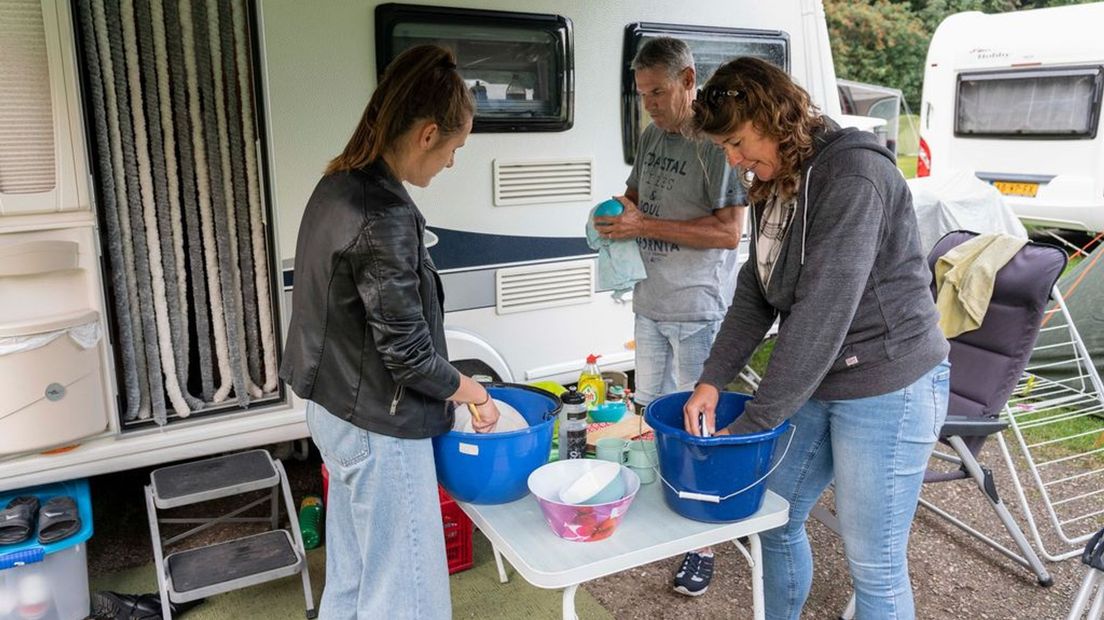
{"points": [[859, 366]]}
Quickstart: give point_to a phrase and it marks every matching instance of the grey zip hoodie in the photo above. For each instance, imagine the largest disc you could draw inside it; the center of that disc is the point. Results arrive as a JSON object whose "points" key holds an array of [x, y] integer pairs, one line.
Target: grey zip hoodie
{"points": [[851, 288]]}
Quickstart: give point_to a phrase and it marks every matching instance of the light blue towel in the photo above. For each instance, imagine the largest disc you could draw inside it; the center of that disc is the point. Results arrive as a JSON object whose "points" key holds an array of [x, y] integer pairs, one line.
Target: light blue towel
{"points": [[619, 264]]}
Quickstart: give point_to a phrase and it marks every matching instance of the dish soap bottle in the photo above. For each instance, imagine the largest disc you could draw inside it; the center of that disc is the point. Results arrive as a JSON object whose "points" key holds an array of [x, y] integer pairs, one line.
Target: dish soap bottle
{"points": [[591, 384], [573, 425]]}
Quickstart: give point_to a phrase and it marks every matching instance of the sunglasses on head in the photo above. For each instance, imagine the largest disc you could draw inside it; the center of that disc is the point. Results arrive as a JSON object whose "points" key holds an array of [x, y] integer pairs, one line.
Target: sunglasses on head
{"points": [[714, 95]]}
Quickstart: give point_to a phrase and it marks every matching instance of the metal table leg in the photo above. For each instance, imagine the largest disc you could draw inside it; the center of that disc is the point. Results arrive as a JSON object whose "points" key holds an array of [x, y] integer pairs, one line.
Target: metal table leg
{"points": [[569, 602], [755, 561], [501, 569], [757, 598]]}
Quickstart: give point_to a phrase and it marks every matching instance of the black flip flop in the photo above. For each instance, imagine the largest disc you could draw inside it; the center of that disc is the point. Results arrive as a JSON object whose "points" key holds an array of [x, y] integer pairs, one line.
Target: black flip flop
{"points": [[17, 520], [58, 519]]}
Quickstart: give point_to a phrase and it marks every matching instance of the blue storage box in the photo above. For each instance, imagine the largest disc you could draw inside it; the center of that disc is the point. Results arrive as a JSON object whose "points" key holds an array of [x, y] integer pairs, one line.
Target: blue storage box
{"points": [[47, 581]]}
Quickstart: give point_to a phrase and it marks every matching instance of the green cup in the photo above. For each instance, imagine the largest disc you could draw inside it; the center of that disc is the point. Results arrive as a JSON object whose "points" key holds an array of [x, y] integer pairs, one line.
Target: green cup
{"points": [[642, 458], [613, 449]]}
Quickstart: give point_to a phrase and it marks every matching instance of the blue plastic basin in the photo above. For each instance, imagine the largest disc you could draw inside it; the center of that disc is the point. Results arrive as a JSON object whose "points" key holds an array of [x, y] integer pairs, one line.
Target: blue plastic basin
{"points": [[712, 479], [494, 468]]}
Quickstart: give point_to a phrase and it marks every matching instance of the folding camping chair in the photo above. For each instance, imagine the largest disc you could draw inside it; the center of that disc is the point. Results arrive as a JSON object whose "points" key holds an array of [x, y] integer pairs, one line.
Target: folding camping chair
{"points": [[986, 365]]}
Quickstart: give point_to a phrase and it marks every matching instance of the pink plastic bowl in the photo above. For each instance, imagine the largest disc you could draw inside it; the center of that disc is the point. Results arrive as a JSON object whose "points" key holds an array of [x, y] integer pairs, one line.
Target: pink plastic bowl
{"points": [[582, 523]]}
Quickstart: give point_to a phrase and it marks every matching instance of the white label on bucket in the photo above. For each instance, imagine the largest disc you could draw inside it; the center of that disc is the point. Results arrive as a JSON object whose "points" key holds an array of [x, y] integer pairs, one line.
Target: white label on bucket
{"points": [[469, 448]]}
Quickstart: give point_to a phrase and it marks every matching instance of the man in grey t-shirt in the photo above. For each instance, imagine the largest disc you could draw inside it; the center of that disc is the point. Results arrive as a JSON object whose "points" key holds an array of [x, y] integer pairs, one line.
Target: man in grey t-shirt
{"points": [[686, 210]]}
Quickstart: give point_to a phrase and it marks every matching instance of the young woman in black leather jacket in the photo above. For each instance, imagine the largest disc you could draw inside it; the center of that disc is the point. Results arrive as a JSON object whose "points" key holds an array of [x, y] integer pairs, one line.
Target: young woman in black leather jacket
{"points": [[366, 345]]}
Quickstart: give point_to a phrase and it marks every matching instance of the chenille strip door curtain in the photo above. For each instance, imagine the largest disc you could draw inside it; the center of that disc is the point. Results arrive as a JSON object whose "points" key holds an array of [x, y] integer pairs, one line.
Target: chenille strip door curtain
{"points": [[171, 100]]}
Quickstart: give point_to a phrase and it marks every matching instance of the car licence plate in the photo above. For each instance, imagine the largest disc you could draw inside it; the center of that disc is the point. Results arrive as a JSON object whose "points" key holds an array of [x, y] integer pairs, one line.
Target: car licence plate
{"points": [[1014, 188]]}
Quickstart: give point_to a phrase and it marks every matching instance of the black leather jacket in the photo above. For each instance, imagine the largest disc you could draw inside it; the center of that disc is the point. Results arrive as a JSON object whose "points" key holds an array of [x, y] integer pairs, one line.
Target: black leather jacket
{"points": [[367, 336]]}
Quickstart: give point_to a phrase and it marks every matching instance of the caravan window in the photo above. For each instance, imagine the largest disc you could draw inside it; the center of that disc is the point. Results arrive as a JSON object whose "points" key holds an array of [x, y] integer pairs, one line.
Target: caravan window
{"points": [[517, 65], [711, 47], [1038, 103]]}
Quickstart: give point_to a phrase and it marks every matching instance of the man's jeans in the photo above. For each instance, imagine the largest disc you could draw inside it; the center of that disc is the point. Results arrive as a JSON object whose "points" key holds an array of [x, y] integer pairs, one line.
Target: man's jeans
{"points": [[670, 355], [876, 449], [385, 543]]}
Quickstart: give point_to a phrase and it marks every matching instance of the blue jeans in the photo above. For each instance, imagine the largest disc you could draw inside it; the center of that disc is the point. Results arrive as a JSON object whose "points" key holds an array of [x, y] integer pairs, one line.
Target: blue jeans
{"points": [[876, 449], [385, 543], [670, 355]]}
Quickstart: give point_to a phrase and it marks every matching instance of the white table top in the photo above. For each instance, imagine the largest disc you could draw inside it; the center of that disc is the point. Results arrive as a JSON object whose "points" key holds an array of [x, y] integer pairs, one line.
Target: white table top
{"points": [[650, 531]]}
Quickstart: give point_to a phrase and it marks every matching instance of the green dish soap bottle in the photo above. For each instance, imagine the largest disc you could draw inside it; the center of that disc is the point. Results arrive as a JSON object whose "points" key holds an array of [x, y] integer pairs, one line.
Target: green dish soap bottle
{"points": [[591, 384]]}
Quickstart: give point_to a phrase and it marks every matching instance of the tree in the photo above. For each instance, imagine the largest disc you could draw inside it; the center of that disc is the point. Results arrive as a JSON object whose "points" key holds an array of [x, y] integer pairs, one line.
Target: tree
{"points": [[879, 42], [935, 11], [886, 41]]}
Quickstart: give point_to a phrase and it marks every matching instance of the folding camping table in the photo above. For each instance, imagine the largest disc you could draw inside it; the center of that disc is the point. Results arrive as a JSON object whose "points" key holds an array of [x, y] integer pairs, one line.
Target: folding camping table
{"points": [[650, 531]]}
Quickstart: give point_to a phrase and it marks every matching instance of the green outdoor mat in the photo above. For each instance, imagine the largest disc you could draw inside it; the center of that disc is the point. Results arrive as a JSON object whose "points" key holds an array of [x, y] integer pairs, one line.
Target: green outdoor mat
{"points": [[476, 593]]}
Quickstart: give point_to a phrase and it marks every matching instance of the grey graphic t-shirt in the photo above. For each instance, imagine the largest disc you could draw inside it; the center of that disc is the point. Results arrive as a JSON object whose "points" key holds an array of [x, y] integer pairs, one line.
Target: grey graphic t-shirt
{"points": [[682, 179]]}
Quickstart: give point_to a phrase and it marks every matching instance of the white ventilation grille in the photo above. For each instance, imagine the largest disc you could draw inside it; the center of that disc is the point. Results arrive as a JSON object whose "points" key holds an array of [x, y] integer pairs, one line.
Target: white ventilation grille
{"points": [[26, 112], [551, 180], [534, 287]]}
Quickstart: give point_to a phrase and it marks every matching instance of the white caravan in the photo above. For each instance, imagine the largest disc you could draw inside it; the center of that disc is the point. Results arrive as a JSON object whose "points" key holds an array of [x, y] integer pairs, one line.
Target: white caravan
{"points": [[1015, 98], [155, 159]]}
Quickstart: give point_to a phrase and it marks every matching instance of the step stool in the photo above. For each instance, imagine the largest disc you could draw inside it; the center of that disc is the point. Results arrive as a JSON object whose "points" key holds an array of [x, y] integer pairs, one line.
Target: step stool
{"points": [[197, 573]]}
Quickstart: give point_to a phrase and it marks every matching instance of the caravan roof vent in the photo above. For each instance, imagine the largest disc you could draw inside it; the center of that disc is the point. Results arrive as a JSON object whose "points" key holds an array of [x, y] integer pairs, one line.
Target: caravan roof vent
{"points": [[533, 287], [548, 180]]}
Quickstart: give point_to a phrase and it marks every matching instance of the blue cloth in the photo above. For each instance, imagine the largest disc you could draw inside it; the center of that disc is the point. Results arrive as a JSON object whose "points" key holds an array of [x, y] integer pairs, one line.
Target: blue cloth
{"points": [[385, 552], [619, 264], [876, 449]]}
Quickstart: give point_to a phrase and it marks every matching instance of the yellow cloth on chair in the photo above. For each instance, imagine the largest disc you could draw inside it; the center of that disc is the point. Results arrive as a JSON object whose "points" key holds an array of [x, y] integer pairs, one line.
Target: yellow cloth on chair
{"points": [[964, 280]]}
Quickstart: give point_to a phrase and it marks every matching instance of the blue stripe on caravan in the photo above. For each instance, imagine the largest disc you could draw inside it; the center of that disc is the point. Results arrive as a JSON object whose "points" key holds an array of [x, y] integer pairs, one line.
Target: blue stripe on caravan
{"points": [[457, 249]]}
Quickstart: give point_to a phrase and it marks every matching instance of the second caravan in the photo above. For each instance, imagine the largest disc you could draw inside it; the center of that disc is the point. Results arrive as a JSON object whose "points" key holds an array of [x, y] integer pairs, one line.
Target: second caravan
{"points": [[519, 280], [1015, 98]]}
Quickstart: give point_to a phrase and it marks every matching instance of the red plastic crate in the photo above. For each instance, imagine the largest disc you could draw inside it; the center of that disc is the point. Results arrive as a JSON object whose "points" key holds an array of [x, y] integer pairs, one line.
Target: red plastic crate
{"points": [[458, 534]]}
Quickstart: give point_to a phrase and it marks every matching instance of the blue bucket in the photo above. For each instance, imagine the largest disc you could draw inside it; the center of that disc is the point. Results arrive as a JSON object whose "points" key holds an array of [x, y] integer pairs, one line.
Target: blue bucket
{"points": [[711, 479], [494, 468]]}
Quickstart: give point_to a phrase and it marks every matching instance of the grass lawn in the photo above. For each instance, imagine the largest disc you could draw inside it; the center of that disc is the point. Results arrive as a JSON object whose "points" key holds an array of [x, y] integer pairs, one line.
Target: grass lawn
{"points": [[907, 165], [908, 142], [1075, 436]]}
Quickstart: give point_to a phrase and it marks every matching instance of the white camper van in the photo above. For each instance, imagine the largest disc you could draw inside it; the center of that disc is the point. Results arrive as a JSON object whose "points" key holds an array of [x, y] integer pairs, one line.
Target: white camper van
{"points": [[1015, 98], [155, 159]]}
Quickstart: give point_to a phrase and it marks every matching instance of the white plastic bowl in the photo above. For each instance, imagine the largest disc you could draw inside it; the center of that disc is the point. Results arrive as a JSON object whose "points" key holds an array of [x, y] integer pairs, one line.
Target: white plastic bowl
{"points": [[509, 419], [598, 485]]}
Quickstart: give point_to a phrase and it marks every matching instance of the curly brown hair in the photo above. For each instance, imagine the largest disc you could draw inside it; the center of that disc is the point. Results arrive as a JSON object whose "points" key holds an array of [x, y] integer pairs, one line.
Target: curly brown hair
{"points": [[750, 89]]}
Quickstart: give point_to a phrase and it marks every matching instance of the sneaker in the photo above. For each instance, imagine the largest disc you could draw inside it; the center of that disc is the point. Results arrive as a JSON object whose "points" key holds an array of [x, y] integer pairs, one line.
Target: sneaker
{"points": [[693, 577]]}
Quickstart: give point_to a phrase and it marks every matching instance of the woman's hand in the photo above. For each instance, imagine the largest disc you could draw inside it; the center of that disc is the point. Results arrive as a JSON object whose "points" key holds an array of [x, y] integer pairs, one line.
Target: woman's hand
{"points": [[484, 416], [488, 416], [703, 405], [628, 225]]}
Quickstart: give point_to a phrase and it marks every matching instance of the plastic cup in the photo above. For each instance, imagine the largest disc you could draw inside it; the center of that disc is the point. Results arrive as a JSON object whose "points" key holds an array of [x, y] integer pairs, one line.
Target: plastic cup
{"points": [[642, 458], [613, 449]]}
